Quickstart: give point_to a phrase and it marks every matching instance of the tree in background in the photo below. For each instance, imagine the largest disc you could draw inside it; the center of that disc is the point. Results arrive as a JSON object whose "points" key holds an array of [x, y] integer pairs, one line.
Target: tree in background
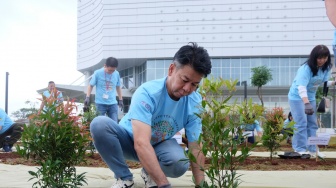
{"points": [[261, 76], [23, 113]]}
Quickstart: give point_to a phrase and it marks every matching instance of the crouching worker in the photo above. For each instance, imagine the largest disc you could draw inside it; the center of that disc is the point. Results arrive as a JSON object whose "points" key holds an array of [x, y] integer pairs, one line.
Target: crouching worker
{"points": [[158, 110], [10, 132]]}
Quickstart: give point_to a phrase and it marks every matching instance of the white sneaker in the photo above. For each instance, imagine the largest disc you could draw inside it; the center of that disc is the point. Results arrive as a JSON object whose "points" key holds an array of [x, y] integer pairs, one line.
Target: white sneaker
{"points": [[123, 184], [149, 183], [313, 154]]}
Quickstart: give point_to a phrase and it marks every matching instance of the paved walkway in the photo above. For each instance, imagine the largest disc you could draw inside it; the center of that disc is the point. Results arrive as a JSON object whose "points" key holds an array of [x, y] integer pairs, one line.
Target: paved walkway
{"points": [[16, 176]]}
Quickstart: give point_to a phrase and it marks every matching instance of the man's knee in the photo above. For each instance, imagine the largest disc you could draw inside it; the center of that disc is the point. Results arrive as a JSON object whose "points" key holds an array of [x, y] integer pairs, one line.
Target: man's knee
{"points": [[175, 167], [98, 124], [180, 168], [18, 127]]}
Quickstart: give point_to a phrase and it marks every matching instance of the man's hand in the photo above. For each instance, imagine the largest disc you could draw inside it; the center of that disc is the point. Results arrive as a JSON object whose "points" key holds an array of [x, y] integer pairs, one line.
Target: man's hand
{"points": [[87, 101], [309, 109], [121, 104]]}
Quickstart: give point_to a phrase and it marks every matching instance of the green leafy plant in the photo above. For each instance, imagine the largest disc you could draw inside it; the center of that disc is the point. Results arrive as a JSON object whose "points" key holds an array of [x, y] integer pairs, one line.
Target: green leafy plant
{"points": [[219, 142], [249, 112], [88, 115], [57, 140], [273, 126]]}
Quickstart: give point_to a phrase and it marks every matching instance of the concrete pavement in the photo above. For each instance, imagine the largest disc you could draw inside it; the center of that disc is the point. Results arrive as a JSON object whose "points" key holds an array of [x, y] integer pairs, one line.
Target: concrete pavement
{"points": [[16, 176]]}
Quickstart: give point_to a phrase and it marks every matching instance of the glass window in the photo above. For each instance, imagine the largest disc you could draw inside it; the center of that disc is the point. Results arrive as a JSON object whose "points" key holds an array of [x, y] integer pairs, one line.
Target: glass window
{"points": [[274, 62], [159, 73], [215, 62], [125, 83], [141, 80], [284, 61], [245, 62], [167, 63], [255, 62], [265, 62], [246, 74], [235, 63], [150, 64], [226, 73], [216, 72], [275, 76], [159, 64], [225, 63], [285, 76], [131, 82], [295, 61], [235, 73], [150, 74]]}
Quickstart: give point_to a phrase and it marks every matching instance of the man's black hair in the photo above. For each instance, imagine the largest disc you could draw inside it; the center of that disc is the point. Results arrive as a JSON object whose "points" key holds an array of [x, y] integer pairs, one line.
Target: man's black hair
{"points": [[111, 62], [195, 56]]}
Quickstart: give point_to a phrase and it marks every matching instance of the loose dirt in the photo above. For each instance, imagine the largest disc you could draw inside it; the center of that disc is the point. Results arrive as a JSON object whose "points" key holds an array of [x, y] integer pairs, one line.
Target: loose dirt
{"points": [[251, 163]]}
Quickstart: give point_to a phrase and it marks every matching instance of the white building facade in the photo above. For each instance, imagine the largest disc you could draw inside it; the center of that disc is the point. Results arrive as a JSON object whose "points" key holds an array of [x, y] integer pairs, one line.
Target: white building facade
{"points": [[238, 34]]}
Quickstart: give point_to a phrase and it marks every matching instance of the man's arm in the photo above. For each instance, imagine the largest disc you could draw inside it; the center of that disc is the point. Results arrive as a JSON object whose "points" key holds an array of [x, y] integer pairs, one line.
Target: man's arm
{"points": [[89, 90], [331, 11], [195, 148], [119, 92], [146, 154]]}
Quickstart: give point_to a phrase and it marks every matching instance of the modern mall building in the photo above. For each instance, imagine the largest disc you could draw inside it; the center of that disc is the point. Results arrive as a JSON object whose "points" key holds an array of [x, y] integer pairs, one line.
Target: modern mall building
{"points": [[238, 34]]}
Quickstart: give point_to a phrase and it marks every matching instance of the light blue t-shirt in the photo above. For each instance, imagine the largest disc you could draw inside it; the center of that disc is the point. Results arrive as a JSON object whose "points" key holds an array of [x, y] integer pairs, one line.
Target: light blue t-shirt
{"points": [[5, 121], [59, 97], [251, 127], [105, 86], [286, 122], [304, 77], [152, 105]]}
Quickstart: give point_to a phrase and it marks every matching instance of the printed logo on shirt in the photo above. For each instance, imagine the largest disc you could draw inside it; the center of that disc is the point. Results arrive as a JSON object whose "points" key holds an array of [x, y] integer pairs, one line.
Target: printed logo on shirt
{"points": [[144, 104], [164, 126]]}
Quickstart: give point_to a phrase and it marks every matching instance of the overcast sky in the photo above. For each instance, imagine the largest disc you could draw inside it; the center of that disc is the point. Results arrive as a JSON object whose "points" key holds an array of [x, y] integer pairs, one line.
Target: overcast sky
{"points": [[38, 40]]}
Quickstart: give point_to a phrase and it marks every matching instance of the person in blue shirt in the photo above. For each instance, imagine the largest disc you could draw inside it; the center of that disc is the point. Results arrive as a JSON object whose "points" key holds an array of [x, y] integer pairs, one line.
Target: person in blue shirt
{"points": [[158, 110], [107, 82], [51, 92], [10, 132], [251, 128], [285, 129], [302, 98]]}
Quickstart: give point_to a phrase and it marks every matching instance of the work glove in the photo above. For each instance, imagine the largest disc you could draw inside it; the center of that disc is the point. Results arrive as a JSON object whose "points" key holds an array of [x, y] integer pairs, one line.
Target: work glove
{"points": [[121, 104], [309, 109], [87, 101]]}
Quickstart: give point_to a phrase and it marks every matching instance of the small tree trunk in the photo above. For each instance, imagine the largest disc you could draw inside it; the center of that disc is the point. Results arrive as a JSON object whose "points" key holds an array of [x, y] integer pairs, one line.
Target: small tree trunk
{"points": [[260, 96]]}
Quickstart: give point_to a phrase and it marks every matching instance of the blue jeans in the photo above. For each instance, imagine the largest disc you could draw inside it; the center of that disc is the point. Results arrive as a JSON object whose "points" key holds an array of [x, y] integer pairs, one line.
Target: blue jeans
{"points": [[15, 132], [115, 146], [305, 126], [111, 110]]}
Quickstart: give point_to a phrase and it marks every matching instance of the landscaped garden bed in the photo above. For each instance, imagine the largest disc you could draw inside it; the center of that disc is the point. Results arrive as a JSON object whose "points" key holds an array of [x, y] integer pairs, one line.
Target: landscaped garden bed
{"points": [[251, 163]]}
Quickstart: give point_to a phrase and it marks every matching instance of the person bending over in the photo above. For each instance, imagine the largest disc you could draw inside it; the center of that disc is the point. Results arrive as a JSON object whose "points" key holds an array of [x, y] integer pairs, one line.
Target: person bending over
{"points": [[158, 110]]}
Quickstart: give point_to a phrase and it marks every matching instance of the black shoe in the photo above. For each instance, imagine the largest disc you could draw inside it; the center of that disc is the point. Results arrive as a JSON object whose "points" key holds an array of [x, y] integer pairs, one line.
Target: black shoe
{"points": [[305, 156], [7, 148]]}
